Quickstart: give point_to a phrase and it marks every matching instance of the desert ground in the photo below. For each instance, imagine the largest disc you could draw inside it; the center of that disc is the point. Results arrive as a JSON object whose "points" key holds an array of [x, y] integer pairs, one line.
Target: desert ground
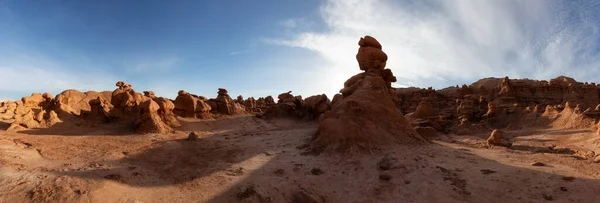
{"points": [[247, 159]]}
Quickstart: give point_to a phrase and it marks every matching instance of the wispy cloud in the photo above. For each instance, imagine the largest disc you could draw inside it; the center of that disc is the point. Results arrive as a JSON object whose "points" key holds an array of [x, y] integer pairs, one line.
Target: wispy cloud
{"points": [[152, 64], [440, 43], [292, 23]]}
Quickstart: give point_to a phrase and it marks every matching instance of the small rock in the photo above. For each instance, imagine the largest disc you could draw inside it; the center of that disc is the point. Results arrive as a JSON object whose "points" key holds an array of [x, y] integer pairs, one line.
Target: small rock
{"points": [[115, 177], [487, 171], [279, 172], [316, 171], [568, 178], [563, 189], [548, 197], [407, 182], [385, 177], [302, 197], [246, 192], [193, 136], [597, 159], [270, 153], [538, 164], [385, 164]]}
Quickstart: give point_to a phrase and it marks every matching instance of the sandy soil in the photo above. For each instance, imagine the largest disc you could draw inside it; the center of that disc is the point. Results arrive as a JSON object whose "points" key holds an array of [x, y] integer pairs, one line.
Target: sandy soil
{"points": [[245, 159]]}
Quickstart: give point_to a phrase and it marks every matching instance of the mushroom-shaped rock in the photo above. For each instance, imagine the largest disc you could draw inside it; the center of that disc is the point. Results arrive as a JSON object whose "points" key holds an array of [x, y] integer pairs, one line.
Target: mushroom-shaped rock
{"points": [[185, 104]]}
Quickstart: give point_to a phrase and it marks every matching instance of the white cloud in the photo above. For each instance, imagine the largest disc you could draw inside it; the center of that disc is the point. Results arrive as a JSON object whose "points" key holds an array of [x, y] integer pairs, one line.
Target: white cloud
{"points": [[293, 23], [154, 64], [439, 43]]}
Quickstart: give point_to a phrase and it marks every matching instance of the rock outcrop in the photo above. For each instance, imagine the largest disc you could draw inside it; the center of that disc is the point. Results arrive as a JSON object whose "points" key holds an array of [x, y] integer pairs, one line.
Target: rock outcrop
{"points": [[495, 138], [225, 105], [368, 114], [149, 120], [317, 105], [500, 102], [188, 105]]}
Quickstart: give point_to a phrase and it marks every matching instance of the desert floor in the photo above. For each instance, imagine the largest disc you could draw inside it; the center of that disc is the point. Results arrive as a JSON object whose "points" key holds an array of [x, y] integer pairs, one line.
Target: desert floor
{"points": [[246, 159]]}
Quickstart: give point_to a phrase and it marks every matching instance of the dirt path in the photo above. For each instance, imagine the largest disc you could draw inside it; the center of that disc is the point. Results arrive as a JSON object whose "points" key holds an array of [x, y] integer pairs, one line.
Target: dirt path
{"points": [[244, 159]]}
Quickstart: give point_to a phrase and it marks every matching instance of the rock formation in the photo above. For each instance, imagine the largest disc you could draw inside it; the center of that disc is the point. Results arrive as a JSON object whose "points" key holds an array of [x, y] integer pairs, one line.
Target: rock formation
{"points": [[287, 106], [225, 105], [368, 114], [149, 120], [423, 111], [251, 105], [495, 138], [187, 105], [317, 105]]}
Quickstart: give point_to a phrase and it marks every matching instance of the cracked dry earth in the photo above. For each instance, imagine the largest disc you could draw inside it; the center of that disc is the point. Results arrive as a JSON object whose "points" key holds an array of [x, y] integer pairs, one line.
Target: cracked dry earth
{"points": [[245, 159]]}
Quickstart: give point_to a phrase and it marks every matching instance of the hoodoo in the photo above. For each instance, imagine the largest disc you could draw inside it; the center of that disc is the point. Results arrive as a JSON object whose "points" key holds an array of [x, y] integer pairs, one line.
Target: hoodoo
{"points": [[368, 112]]}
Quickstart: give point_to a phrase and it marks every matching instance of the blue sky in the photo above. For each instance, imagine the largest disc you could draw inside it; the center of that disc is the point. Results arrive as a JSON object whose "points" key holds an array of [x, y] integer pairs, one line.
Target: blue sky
{"points": [[259, 48]]}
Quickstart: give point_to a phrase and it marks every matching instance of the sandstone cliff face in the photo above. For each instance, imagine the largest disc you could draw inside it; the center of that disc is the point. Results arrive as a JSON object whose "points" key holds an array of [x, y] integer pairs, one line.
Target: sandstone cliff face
{"points": [[499, 102]]}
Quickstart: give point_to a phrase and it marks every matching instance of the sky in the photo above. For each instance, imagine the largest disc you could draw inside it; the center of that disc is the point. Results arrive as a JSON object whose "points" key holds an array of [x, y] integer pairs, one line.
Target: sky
{"points": [[267, 47]]}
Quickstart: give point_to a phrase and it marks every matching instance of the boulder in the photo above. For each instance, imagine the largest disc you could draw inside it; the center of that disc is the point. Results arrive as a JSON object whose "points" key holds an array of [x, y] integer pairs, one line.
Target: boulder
{"points": [[495, 138]]}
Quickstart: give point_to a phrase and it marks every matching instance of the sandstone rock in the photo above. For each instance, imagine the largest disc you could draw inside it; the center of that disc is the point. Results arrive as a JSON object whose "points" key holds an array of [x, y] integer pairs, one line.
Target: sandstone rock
{"points": [[368, 114], [317, 104], [100, 109], [427, 132], [240, 100], [185, 104], [250, 104], [226, 105], [149, 94], [47, 96], [193, 136], [597, 159], [464, 128], [495, 138], [39, 116], [424, 110], [288, 106], [125, 97], [165, 111], [269, 101], [465, 108], [73, 102], [149, 120], [52, 119], [336, 98], [36, 99]]}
